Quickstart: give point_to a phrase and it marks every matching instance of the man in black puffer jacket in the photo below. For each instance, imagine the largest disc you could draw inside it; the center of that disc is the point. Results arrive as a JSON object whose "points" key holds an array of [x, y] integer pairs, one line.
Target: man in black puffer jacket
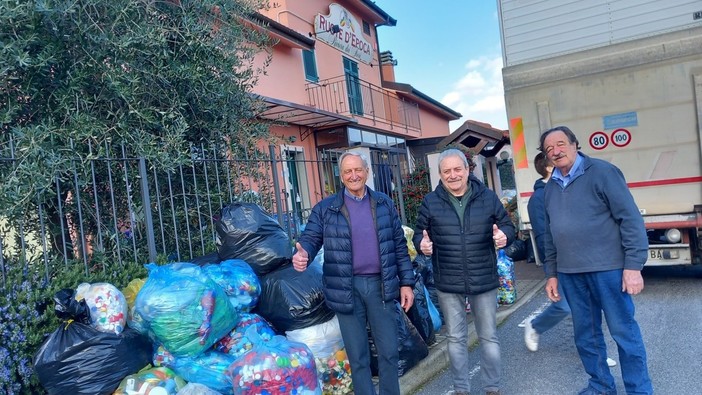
{"points": [[460, 224], [366, 268]]}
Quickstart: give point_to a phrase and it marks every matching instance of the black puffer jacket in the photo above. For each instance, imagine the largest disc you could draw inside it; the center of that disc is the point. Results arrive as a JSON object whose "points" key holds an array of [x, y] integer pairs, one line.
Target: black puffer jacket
{"points": [[464, 255], [329, 225]]}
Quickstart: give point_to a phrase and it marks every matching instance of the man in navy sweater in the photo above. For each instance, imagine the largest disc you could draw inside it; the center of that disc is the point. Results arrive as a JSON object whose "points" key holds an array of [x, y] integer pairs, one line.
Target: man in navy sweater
{"points": [[556, 312], [595, 247]]}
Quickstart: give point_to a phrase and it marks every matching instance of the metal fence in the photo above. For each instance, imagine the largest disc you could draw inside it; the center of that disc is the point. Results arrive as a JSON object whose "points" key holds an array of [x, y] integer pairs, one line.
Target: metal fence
{"points": [[112, 207]]}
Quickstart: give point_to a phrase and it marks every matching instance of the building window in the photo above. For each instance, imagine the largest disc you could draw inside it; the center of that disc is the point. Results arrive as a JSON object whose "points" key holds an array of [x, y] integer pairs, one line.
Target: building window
{"points": [[310, 65], [353, 87], [354, 136], [366, 28], [370, 137]]}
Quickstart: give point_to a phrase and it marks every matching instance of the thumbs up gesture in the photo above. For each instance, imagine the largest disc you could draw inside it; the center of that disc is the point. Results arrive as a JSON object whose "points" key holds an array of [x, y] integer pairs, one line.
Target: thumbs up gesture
{"points": [[426, 245], [300, 259], [498, 237]]}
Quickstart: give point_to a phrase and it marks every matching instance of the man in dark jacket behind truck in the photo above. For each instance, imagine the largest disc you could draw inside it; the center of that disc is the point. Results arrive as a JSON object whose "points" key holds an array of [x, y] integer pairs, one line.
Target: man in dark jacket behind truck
{"points": [[595, 247], [460, 224], [366, 268]]}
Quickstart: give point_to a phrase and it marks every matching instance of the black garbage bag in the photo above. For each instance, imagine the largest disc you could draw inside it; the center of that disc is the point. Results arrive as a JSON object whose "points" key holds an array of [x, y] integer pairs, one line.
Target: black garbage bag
{"points": [[78, 359], [419, 312], [411, 346], [208, 259], [67, 308], [423, 266], [249, 233], [293, 300], [517, 251]]}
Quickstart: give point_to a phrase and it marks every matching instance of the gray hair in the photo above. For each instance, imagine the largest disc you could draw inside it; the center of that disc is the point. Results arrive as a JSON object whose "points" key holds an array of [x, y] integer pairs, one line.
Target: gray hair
{"points": [[356, 154], [453, 152]]}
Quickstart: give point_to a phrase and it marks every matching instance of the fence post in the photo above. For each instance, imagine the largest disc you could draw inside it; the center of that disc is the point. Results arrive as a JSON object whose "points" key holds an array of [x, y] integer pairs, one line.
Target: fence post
{"points": [[2, 265], [398, 188], [276, 183], [146, 202]]}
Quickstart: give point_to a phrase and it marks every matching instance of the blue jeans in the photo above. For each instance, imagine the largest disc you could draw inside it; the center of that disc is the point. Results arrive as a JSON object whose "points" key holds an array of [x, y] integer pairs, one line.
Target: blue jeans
{"points": [[590, 294], [368, 306], [553, 314], [484, 310]]}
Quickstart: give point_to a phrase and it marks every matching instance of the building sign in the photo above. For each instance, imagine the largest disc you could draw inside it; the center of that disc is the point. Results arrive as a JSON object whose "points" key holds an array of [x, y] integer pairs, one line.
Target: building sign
{"points": [[341, 30], [621, 120]]}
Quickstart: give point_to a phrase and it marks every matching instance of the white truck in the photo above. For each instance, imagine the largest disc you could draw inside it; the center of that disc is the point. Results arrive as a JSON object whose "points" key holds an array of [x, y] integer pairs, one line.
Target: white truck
{"points": [[627, 79]]}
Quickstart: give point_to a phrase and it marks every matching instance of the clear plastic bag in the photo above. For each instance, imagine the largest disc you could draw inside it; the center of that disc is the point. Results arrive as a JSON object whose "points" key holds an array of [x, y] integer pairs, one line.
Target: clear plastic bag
{"points": [[107, 304], [277, 366], [327, 346]]}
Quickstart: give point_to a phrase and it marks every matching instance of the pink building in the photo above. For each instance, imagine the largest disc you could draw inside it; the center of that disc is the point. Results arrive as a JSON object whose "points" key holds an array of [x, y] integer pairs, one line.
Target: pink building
{"points": [[330, 88]]}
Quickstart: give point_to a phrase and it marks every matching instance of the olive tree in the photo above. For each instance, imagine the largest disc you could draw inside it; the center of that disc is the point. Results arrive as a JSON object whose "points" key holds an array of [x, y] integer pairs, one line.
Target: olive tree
{"points": [[154, 75]]}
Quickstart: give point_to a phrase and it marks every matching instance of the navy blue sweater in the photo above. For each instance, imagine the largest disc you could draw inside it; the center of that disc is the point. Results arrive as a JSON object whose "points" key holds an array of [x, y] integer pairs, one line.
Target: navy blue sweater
{"points": [[593, 224]]}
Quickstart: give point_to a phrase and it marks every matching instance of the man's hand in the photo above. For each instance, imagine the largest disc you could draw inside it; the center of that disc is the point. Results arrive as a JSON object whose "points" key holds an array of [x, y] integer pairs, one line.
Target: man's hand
{"points": [[632, 282], [552, 289], [499, 237], [426, 245], [406, 297], [300, 259]]}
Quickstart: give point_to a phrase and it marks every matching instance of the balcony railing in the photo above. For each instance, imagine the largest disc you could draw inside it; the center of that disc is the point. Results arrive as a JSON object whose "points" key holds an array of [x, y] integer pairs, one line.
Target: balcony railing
{"points": [[347, 95]]}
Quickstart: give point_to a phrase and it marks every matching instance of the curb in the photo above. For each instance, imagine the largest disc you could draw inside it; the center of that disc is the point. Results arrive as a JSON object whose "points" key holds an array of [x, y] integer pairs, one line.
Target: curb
{"points": [[437, 360]]}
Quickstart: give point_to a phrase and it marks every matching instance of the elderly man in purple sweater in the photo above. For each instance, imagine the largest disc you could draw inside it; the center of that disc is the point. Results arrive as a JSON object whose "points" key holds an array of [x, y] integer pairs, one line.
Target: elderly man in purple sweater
{"points": [[366, 268], [596, 246]]}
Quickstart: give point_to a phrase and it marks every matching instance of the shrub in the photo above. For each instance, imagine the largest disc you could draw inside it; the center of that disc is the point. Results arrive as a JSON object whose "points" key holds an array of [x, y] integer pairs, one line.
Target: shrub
{"points": [[415, 186]]}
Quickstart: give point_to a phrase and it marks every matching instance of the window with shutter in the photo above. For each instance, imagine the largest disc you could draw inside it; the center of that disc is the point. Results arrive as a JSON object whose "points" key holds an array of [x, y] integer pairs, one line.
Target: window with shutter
{"points": [[310, 65]]}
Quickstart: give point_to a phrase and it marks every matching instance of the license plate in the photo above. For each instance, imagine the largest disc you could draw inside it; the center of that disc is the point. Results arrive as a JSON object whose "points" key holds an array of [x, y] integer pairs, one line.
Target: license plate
{"points": [[663, 253], [665, 256]]}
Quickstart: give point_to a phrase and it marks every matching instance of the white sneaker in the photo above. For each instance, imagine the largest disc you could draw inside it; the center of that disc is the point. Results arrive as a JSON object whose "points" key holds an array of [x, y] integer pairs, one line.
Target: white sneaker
{"points": [[611, 363], [531, 338]]}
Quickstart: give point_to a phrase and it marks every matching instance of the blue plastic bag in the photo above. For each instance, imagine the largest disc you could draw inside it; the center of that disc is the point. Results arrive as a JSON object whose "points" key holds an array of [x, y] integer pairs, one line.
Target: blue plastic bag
{"points": [[236, 343], [433, 312], [507, 292], [239, 282], [212, 369], [184, 309]]}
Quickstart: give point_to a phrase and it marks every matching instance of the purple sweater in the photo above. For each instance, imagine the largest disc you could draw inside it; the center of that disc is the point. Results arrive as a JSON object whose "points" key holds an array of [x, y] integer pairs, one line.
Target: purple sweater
{"points": [[364, 237]]}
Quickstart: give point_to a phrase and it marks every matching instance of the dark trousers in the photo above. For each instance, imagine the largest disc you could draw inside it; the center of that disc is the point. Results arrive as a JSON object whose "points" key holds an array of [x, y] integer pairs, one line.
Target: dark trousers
{"points": [[368, 306]]}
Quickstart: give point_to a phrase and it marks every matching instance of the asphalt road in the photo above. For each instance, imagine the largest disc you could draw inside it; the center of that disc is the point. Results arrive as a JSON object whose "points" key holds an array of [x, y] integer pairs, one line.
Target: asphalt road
{"points": [[669, 312]]}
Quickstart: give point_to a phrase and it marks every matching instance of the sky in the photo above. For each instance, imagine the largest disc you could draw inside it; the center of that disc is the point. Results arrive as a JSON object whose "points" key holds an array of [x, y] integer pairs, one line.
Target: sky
{"points": [[449, 50]]}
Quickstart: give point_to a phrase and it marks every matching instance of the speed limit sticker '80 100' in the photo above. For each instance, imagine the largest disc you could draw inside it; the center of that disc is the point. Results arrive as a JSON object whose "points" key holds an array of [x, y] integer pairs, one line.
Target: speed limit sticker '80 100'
{"points": [[598, 140], [621, 137]]}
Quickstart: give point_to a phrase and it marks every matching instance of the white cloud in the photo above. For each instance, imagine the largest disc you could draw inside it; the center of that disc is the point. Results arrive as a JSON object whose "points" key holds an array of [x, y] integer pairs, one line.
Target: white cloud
{"points": [[472, 81], [479, 94], [451, 99]]}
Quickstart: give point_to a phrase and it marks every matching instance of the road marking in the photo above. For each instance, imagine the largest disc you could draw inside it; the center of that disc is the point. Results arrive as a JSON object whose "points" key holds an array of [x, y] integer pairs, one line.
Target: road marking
{"points": [[533, 314], [473, 372]]}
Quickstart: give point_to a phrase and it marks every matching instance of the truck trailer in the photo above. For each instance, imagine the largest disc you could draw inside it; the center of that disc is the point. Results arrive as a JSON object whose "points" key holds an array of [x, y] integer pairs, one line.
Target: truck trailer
{"points": [[626, 77]]}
